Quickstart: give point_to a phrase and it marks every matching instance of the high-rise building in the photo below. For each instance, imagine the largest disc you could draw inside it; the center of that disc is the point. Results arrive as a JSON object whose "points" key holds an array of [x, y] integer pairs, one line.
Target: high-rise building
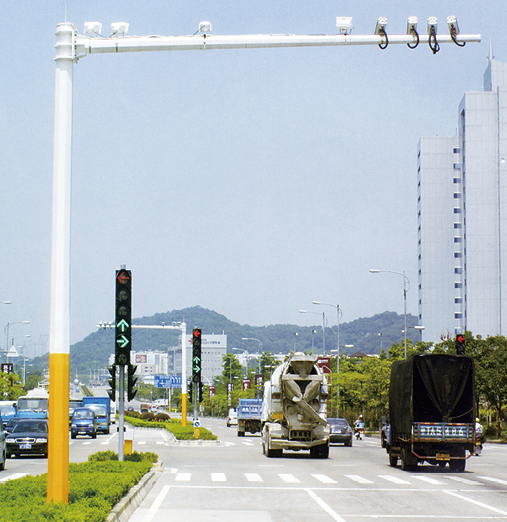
{"points": [[462, 217]]}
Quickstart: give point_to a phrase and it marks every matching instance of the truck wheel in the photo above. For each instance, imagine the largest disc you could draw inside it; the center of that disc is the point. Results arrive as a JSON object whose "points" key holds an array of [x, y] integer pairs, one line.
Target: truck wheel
{"points": [[457, 466], [393, 461], [405, 466], [324, 451], [241, 433]]}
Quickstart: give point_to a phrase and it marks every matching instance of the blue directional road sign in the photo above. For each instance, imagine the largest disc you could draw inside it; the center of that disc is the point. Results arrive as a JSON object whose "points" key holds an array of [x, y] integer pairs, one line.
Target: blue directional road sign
{"points": [[167, 381]]}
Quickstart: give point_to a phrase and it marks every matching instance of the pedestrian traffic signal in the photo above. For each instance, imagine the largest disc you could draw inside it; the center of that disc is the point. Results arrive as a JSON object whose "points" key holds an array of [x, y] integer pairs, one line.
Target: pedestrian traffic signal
{"points": [[131, 382], [196, 355], [460, 344], [112, 382], [123, 324]]}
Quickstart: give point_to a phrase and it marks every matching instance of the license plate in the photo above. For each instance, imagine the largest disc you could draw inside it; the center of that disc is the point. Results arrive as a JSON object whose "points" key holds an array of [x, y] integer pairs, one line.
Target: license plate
{"points": [[443, 456], [25, 446]]}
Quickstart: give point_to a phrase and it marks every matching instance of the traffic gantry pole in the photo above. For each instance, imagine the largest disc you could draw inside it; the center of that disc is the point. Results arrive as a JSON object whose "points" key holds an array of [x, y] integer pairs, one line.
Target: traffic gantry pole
{"points": [[58, 443], [70, 47]]}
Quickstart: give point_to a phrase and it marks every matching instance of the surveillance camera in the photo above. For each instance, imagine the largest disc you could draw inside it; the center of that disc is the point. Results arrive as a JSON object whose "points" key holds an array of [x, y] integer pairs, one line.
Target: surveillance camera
{"points": [[432, 25], [380, 28], [205, 27], [344, 24], [119, 28], [452, 23], [92, 28], [412, 25]]}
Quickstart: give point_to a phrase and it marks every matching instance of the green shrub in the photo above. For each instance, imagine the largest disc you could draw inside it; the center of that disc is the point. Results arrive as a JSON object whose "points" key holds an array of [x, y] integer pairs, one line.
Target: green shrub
{"points": [[162, 417], [148, 415], [95, 486]]}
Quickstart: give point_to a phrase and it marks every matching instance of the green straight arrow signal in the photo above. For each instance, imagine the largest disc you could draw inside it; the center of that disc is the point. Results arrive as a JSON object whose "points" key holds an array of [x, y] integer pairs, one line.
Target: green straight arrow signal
{"points": [[123, 325], [122, 341]]}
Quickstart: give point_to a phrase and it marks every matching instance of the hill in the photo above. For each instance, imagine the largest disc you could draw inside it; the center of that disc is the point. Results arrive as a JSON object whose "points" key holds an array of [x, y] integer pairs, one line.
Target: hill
{"points": [[367, 335]]}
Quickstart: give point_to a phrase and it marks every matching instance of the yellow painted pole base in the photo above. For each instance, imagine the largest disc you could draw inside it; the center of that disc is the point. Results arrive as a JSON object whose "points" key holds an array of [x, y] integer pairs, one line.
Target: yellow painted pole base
{"points": [[58, 439]]}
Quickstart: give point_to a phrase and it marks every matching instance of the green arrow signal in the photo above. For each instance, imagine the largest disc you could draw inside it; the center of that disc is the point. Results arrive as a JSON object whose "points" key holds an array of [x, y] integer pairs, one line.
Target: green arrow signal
{"points": [[197, 360], [196, 369], [123, 325], [122, 341]]}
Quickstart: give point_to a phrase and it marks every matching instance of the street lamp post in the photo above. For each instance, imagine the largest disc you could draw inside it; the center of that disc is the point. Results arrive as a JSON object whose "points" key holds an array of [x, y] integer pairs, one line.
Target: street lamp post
{"points": [[338, 317], [406, 282], [260, 348], [6, 330], [323, 327]]}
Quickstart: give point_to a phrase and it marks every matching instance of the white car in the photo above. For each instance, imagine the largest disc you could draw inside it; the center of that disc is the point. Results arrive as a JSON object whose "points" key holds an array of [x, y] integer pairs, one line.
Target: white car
{"points": [[232, 419]]}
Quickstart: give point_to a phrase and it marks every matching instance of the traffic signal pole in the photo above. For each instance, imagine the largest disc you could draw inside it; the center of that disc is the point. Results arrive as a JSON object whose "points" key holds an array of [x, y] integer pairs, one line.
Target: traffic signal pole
{"points": [[121, 413], [70, 47]]}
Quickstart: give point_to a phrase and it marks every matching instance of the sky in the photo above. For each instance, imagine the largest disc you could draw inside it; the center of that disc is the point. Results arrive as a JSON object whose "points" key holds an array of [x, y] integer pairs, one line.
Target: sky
{"points": [[249, 182]]}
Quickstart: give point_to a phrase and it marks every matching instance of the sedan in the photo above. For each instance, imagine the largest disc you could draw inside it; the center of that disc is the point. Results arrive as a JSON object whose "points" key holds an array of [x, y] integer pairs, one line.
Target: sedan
{"points": [[28, 437], [340, 431]]}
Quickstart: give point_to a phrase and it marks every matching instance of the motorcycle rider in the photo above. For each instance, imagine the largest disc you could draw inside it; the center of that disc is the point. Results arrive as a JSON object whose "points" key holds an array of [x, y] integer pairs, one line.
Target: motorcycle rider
{"points": [[479, 438], [359, 427]]}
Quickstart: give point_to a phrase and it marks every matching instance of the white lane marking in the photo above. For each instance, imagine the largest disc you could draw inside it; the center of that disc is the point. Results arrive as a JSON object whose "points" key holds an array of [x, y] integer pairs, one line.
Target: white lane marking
{"points": [[324, 479], [395, 480], [141, 442], [290, 479], [358, 478], [183, 477], [14, 476], [156, 504], [104, 443], [248, 443], [476, 502], [160, 442], [334, 515], [429, 480], [87, 443], [218, 477], [493, 479], [465, 481], [253, 477]]}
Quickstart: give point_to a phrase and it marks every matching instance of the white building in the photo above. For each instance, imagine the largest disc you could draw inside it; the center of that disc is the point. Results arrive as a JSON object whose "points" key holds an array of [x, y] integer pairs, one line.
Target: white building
{"points": [[213, 348], [462, 217]]}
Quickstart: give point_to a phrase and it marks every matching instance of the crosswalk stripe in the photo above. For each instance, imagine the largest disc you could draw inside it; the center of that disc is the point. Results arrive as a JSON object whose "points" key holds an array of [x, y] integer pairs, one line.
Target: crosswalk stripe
{"points": [[395, 480], [429, 480], [358, 478], [183, 477], [465, 481], [325, 479], [253, 477], [141, 442], [218, 477], [248, 443], [14, 476], [492, 479], [290, 479]]}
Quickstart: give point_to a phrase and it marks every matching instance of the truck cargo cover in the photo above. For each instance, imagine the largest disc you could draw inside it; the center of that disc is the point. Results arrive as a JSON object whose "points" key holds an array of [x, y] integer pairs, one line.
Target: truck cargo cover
{"points": [[431, 388]]}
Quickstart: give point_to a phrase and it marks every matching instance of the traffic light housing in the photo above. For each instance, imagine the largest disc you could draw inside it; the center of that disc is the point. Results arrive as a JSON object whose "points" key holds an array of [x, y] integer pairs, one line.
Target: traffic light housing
{"points": [[112, 382], [131, 382], [196, 355], [190, 390], [460, 344], [200, 392], [123, 317]]}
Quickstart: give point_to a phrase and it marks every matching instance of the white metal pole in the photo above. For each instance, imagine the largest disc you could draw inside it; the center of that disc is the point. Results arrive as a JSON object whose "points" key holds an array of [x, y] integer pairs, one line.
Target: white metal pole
{"points": [[58, 462]]}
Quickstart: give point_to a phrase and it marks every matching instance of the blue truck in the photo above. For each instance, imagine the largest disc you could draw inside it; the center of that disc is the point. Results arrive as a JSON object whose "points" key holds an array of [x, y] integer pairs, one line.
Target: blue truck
{"points": [[33, 405], [102, 408], [249, 416]]}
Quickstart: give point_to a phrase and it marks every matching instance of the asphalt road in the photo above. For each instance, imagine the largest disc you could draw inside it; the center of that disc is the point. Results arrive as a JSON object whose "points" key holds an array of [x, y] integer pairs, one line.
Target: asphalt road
{"points": [[233, 481]]}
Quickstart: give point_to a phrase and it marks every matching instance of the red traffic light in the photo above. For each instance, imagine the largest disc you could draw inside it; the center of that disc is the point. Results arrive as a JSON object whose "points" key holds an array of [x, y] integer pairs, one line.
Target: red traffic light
{"points": [[460, 338]]}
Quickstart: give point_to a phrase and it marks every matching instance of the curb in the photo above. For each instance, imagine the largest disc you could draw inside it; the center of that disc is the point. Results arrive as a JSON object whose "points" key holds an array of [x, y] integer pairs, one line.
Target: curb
{"points": [[124, 509]]}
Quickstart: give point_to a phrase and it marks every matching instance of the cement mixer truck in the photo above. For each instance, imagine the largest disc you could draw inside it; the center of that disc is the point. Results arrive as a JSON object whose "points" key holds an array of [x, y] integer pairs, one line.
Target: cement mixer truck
{"points": [[294, 409]]}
